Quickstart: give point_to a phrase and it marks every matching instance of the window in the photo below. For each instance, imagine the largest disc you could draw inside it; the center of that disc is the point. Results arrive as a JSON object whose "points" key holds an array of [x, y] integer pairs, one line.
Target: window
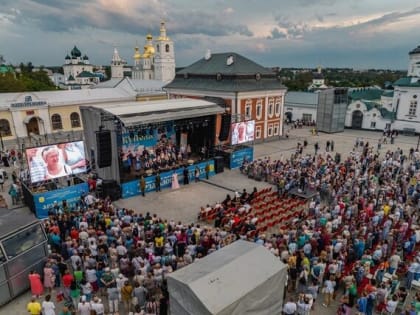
{"points": [[270, 130], [75, 120], [307, 117], [373, 124], [24, 240], [258, 132], [248, 109], [259, 109], [413, 108], [276, 129], [167, 47], [278, 103], [5, 127], [157, 48], [56, 122], [270, 107]]}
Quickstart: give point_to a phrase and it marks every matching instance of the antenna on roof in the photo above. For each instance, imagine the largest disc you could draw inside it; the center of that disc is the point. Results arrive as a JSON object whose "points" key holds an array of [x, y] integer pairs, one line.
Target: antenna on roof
{"points": [[207, 56]]}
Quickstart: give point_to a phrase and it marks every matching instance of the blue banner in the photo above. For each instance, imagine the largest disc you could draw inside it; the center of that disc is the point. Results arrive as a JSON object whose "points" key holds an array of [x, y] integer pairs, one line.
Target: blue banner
{"points": [[238, 157], [146, 138], [45, 200], [132, 188]]}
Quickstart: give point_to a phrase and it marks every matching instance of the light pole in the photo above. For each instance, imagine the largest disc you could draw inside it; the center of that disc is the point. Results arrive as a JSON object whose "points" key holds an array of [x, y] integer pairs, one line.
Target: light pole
{"points": [[1, 139]]}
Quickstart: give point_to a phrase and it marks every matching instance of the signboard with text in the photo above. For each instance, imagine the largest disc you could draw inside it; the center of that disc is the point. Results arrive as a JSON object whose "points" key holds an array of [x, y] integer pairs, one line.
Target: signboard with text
{"points": [[238, 157], [132, 188]]}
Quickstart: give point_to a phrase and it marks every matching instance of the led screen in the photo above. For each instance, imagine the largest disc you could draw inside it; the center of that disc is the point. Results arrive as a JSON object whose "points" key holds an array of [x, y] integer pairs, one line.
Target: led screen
{"points": [[57, 160], [242, 132]]}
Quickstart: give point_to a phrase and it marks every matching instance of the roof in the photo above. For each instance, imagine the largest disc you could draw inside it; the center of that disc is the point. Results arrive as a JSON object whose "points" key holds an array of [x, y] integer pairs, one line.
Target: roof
{"points": [[415, 51], [70, 97], [407, 81], [388, 93], [366, 94], [228, 275], [217, 63], [387, 114], [11, 220], [227, 72], [86, 74], [75, 52], [317, 76], [370, 104], [134, 113], [301, 99]]}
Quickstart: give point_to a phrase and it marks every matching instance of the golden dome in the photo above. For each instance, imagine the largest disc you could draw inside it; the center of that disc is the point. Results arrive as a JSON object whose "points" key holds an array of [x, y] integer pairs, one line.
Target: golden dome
{"points": [[148, 51], [137, 54], [149, 36]]}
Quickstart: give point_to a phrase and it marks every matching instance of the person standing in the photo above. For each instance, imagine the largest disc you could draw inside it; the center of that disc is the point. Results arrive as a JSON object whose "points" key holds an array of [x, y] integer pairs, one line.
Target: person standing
{"points": [[328, 291], [316, 147], [84, 307], [35, 282], [197, 174], [290, 307], [49, 277], [142, 186], [332, 145], [207, 170], [13, 192], [34, 307], [175, 183], [2, 179], [48, 307], [186, 176], [157, 182], [126, 295]]}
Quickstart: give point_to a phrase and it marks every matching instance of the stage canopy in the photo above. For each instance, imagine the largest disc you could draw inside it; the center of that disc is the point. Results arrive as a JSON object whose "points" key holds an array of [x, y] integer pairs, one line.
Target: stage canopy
{"points": [[135, 113], [242, 278]]}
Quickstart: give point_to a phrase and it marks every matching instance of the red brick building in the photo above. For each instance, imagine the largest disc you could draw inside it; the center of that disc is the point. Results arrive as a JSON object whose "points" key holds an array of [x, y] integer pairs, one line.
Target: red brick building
{"points": [[248, 90]]}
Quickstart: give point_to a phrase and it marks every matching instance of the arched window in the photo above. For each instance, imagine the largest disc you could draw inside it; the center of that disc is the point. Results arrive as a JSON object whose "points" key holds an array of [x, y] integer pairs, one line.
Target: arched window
{"points": [[75, 120], [167, 48], [56, 122], [5, 127], [158, 48]]}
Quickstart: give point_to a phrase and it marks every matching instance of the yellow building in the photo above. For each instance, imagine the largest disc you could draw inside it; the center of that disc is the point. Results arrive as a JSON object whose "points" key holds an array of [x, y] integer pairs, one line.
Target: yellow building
{"points": [[38, 118]]}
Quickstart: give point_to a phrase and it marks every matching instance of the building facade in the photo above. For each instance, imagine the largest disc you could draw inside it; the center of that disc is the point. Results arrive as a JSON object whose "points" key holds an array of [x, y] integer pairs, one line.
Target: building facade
{"points": [[247, 90], [78, 72], [157, 62], [35, 118], [300, 106]]}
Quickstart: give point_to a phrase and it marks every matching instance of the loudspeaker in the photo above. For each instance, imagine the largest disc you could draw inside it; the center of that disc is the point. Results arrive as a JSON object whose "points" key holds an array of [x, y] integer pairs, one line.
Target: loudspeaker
{"points": [[109, 188], [219, 164], [104, 149], [225, 127]]}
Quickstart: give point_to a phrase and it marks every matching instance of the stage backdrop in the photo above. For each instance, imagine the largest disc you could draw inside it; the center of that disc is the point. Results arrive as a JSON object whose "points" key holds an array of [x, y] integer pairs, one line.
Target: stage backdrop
{"points": [[132, 188], [44, 201], [237, 157]]}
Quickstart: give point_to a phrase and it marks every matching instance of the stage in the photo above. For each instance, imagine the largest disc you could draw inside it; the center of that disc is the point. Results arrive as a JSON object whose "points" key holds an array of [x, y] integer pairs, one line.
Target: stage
{"points": [[307, 194]]}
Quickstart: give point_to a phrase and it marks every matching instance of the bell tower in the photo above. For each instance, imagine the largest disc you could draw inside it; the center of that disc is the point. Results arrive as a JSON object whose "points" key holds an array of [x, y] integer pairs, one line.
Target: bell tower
{"points": [[164, 56], [117, 65]]}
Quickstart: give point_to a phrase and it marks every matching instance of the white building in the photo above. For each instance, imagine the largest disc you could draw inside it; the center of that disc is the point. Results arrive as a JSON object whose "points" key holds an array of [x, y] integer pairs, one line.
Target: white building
{"points": [[117, 65], [157, 62], [300, 106], [318, 81], [78, 71]]}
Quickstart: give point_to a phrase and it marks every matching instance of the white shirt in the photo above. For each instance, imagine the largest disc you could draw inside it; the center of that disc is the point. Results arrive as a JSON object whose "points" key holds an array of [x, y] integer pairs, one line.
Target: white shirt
{"points": [[290, 308], [84, 308]]}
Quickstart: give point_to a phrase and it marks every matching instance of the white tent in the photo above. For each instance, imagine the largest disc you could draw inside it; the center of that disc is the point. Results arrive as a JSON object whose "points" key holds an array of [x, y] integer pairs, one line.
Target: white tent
{"points": [[242, 278]]}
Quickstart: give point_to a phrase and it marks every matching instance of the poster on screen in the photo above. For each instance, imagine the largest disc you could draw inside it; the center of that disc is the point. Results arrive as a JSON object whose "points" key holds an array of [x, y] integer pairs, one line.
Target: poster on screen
{"points": [[243, 132]]}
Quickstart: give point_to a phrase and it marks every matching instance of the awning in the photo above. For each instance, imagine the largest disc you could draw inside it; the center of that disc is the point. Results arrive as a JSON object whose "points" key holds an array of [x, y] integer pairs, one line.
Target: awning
{"points": [[170, 115], [28, 118]]}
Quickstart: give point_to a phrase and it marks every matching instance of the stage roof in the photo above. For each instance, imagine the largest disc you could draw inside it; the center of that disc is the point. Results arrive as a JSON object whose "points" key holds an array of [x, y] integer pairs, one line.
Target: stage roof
{"points": [[135, 113]]}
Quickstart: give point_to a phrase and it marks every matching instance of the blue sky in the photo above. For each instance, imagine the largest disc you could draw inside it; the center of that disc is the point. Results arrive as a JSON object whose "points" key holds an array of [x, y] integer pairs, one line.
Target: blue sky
{"points": [[284, 33]]}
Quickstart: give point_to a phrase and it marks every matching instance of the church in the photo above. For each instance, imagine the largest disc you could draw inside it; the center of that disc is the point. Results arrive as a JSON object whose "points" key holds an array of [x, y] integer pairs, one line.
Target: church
{"points": [[78, 72], [157, 61]]}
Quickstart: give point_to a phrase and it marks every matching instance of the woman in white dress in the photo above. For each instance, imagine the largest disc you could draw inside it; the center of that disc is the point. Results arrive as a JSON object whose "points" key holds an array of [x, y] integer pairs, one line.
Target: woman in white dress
{"points": [[48, 307], [175, 183]]}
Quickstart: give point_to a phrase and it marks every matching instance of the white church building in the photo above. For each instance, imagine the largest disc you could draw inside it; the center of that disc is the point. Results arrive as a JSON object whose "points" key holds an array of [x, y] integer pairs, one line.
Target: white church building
{"points": [[397, 109]]}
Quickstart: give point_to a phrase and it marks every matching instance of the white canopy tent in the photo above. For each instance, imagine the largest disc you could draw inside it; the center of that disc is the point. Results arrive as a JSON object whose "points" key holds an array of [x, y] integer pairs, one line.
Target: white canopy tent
{"points": [[242, 278]]}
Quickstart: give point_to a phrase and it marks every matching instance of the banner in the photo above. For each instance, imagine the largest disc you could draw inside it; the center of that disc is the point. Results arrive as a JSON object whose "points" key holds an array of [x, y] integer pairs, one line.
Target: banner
{"points": [[237, 157], [132, 188], [149, 138], [45, 200]]}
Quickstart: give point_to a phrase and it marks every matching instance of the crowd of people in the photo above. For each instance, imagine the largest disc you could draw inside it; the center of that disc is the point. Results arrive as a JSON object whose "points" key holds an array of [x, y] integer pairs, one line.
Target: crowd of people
{"points": [[358, 236], [360, 231]]}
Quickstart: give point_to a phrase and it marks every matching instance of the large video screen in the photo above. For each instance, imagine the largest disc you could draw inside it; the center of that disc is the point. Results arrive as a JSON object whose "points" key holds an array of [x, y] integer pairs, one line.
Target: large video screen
{"points": [[56, 160], [242, 132]]}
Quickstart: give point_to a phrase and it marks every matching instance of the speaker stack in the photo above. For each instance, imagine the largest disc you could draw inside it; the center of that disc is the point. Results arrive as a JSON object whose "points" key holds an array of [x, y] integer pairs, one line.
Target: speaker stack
{"points": [[104, 149], [219, 164], [225, 127], [110, 188]]}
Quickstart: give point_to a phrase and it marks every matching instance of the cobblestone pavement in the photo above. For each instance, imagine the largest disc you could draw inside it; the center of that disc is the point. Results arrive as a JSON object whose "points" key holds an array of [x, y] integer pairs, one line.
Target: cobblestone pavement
{"points": [[183, 204]]}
